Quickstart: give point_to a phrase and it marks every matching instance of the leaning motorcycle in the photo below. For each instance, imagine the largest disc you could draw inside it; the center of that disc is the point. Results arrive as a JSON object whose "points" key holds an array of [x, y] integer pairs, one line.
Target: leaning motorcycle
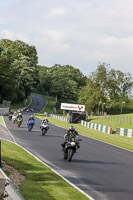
{"points": [[10, 116], [19, 122], [14, 118], [70, 147], [44, 128], [30, 125]]}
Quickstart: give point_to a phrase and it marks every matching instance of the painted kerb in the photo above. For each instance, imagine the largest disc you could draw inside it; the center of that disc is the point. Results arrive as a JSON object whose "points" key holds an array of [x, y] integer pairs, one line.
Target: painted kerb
{"points": [[99, 127]]}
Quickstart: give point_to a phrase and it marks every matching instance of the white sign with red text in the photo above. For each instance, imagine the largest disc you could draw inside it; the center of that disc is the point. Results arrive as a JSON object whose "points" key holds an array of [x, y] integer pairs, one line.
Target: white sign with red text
{"points": [[76, 107]]}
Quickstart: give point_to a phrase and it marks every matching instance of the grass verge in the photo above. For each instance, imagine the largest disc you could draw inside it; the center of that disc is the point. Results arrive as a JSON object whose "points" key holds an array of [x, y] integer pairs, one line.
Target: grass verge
{"points": [[1, 120], [18, 105], [41, 182], [115, 121]]}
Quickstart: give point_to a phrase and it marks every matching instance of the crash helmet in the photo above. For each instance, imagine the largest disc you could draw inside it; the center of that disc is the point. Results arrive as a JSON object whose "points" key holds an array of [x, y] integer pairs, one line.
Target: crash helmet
{"points": [[46, 118], [71, 128], [31, 116], [19, 114], [15, 113]]}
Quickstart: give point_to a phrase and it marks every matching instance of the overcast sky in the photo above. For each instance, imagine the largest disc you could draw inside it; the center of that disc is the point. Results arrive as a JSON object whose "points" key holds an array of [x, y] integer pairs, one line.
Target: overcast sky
{"points": [[80, 33]]}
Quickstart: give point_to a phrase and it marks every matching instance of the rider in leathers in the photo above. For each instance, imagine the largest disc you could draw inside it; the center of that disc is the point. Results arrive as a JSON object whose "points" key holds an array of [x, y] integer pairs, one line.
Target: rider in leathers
{"points": [[69, 132]]}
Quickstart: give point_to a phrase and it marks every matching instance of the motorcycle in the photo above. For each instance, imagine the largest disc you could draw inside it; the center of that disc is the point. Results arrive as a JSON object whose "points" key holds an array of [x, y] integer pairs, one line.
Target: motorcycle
{"points": [[10, 116], [44, 128], [32, 110], [14, 119], [70, 147], [30, 125], [19, 122]]}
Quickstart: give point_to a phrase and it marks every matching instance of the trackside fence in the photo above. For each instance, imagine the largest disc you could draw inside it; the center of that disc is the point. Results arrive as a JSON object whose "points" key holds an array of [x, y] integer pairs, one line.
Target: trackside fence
{"points": [[59, 117], [124, 132], [98, 127]]}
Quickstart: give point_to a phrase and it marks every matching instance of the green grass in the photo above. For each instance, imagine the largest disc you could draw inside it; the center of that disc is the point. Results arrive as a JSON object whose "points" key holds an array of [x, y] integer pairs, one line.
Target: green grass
{"points": [[114, 121], [1, 120], [18, 105], [41, 183]]}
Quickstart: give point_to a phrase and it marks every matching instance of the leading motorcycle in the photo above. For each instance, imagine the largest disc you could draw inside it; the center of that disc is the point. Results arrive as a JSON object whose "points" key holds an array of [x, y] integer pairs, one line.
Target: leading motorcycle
{"points": [[70, 147]]}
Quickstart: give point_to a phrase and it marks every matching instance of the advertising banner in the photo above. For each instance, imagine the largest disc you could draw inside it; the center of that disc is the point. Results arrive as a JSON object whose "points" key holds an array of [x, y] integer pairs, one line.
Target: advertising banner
{"points": [[75, 107]]}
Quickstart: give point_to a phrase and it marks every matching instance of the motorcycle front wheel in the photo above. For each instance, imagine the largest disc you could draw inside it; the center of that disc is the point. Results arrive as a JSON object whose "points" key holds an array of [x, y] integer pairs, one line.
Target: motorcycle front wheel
{"points": [[30, 127], [43, 131], [70, 154]]}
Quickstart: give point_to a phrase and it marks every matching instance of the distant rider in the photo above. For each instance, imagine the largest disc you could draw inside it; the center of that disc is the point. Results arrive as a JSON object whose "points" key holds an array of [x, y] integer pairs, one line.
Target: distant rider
{"points": [[14, 117]]}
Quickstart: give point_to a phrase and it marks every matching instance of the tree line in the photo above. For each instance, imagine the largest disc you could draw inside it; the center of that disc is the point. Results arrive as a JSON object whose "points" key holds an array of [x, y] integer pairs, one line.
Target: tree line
{"points": [[20, 74], [18, 70]]}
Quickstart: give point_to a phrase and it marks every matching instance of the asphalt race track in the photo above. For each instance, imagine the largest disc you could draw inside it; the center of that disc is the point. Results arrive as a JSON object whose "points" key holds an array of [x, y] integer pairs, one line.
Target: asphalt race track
{"points": [[101, 170]]}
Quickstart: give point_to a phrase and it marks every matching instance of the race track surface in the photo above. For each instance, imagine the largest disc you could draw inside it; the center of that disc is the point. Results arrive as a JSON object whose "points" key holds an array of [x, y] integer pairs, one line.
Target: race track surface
{"points": [[103, 171]]}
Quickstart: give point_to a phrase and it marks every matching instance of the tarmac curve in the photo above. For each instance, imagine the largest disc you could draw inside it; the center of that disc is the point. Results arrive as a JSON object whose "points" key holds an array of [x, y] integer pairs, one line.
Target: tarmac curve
{"points": [[102, 171]]}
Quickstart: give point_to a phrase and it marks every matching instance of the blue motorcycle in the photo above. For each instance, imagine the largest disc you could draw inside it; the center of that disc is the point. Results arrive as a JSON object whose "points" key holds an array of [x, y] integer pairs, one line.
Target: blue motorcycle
{"points": [[30, 125]]}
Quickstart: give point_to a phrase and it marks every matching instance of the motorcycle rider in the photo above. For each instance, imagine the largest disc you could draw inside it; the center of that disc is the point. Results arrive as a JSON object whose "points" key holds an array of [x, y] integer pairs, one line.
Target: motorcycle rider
{"points": [[10, 114], [30, 119], [70, 131], [15, 114], [14, 117], [31, 110], [46, 119], [44, 122], [19, 116]]}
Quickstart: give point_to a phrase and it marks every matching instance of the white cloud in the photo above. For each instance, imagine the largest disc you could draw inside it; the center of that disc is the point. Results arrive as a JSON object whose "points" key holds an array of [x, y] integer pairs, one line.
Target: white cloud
{"points": [[56, 12], [6, 34], [77, 32]]}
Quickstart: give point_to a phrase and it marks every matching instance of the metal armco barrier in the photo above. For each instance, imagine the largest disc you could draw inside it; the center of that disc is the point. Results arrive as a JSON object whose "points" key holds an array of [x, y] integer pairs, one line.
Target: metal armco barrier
{"points": [[124, 132], [98, 127]]}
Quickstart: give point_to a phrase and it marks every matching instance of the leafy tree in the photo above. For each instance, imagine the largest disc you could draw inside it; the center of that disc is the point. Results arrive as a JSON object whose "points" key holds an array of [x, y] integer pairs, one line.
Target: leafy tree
{"points": [[61, 81], [21, 63], [7, 82], [119, 85], [26, 76], [107, 86]]}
